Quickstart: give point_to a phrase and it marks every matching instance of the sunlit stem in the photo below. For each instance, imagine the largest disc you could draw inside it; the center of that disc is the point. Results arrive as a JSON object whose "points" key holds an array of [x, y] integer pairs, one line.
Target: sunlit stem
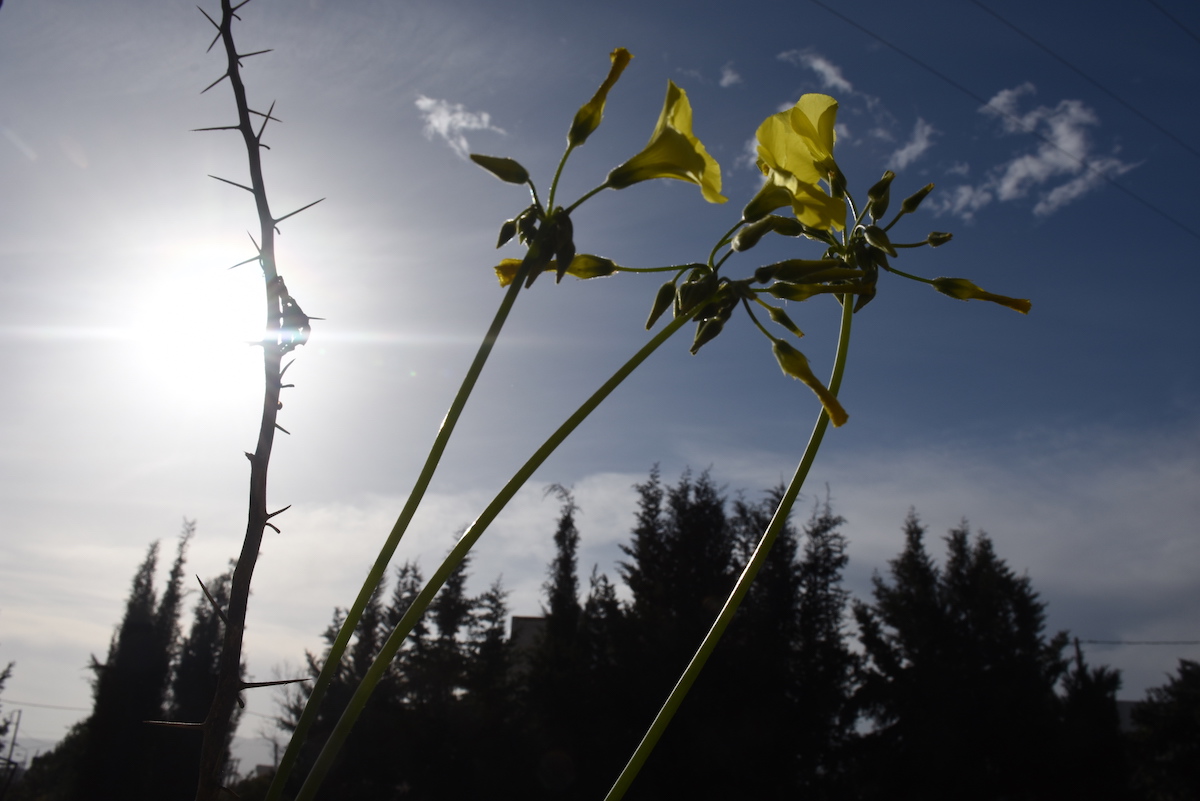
{"points": [[419, 605], [747, 577], [597, 190], [557, 173], [333, 660]]}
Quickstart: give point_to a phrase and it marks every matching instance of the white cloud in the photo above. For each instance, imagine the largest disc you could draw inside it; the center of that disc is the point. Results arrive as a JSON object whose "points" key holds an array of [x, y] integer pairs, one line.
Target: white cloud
{"points": [[729, 76], [1065, 151], [829, 73], [914, 148], [449, 120]]}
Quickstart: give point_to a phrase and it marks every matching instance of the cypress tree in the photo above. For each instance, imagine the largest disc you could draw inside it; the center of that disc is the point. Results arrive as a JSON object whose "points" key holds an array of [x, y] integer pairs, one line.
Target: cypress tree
{"points": [[959, 677]]}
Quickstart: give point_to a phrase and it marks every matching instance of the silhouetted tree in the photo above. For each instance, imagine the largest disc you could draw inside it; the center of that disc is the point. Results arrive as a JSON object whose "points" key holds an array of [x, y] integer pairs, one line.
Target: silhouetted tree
{"points": [[1167, 737], [130, 688], [959, 677], [193, 684], [1094, 764]]}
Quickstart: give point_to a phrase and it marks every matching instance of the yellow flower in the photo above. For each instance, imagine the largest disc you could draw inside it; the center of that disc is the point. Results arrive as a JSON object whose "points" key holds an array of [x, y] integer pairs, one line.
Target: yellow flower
{"points": [[583, 266], [800, 140], [587, 119], [809, 203], [795, 152], [673, 152]]}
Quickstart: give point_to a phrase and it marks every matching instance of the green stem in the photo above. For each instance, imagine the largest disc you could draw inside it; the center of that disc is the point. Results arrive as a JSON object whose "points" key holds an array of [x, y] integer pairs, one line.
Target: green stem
{"points": [[417, 609], [590, 193], [333, 660], [745, 580]]}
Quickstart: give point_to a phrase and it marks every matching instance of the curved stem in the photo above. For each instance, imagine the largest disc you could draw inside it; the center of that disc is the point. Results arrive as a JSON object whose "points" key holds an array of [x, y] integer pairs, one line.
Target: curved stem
{"points": [[333, 660], [558, 173], [590, 193], [745, 580], [415, 611]]}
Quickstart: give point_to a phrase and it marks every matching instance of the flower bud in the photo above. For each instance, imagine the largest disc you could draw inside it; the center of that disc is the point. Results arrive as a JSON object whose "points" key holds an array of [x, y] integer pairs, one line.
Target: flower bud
{"points": [[795, 364], [879, 195], [694, 292], [662, 301], [938, 238], [779, 316], [588, 118], [912, 201], [795, 270], [586, 266], [877, 238], [507, 232], [503, 168], [706, 332], [749, 235], [564, 243], [962, 289]]}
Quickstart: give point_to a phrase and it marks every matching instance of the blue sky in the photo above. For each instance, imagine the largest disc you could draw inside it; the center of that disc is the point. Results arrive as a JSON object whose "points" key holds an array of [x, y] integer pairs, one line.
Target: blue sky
{"points": [[1071, 436]]}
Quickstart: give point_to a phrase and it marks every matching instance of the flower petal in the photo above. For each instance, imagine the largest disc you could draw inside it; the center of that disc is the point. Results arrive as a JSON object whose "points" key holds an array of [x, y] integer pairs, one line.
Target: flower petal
{"points": [[673, 152]]}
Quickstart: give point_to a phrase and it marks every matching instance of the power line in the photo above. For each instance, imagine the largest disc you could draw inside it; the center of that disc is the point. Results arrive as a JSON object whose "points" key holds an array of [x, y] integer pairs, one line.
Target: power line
{"points": [[14, 702], [1182, 27], [1012, 118], [1091, 80], [1141, 642]]}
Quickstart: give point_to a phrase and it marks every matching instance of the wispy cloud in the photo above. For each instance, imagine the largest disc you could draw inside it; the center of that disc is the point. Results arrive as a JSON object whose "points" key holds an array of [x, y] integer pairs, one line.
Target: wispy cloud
{"points": [[829, 73], [449, 121], [1065, 150], [729, 76], [915, 147]]}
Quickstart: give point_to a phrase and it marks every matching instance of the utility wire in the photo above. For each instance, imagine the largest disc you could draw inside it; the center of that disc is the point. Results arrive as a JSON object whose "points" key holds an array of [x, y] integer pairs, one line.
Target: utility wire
{"points": [[1182, 27], [1090, 80], [12, 702], [1141, 642], [947, 79]]}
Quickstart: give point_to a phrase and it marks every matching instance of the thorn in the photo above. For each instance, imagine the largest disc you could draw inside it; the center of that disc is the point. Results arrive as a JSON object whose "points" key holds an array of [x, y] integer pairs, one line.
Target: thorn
{"points": [[213, 601], [218, 128], [247, 261], [285, 369], [297, 211], [234, 183], [240, 56], [214, 83], [281, 511], [171, 724], [274, 527], [266, 118], [251, 685], [284, 430], [256, 247], [289, 386], [241, 702], [239, 5], [210, 19], [249, 455]]}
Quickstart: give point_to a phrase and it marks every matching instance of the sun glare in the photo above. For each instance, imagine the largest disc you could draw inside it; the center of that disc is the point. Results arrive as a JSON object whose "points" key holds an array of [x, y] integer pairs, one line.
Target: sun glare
{"points": [[195, 331]]}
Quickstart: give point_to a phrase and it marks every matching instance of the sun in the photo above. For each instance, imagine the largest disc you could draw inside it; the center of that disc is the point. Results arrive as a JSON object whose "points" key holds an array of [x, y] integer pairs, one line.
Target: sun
{"points": [[194, 328]]}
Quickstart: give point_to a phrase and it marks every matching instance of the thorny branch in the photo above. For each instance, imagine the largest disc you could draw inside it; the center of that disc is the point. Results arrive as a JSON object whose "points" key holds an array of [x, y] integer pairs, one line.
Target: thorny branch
{"points": [[286, 327]]}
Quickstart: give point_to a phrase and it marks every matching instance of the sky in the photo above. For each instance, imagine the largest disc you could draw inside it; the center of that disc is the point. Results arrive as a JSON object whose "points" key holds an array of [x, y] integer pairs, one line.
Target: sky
{"points": [[1062, 141]]}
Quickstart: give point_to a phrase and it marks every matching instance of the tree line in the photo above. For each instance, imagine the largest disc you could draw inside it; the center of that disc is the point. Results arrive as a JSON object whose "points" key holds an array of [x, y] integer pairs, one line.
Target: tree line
{"points": [[944, 684]]}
